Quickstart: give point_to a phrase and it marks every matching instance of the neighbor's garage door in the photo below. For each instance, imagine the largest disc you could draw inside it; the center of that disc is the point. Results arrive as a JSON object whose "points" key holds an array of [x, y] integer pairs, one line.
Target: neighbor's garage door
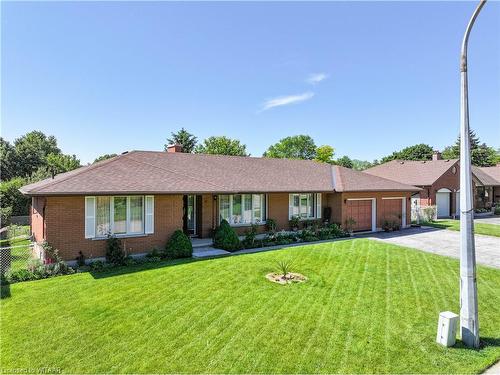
{"points": [[361, 212], [392, 210]]}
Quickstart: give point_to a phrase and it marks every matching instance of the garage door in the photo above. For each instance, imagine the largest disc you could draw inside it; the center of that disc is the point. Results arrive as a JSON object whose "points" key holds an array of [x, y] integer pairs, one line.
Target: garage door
{"points": [[457, 203], [361, 212], [392, 211], [443, 203]]}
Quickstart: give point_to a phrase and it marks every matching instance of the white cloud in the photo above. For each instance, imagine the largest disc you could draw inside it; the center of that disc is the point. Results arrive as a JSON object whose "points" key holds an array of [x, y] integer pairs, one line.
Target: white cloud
{"points": [[286, 100], [316, 78]]}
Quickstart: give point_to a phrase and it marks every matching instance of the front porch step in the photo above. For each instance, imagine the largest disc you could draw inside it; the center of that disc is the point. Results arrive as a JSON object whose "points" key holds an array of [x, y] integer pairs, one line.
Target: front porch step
{"points": [[201, 242]]}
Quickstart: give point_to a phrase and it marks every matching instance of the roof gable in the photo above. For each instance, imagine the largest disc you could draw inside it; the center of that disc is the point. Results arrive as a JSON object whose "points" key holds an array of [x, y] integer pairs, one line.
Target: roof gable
{"points": [[419, 173], [351, 180], [488, 176]]}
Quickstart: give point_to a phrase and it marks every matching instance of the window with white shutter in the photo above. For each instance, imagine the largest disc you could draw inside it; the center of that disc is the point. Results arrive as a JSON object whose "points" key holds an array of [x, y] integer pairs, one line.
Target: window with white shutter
{"points": [[318, 205], [89, 217], [149, 214]]}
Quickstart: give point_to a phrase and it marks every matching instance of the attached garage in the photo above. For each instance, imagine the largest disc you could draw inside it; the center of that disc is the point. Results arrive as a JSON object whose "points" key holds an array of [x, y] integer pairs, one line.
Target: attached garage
{"points": [[393, 209], [443, 200], [363, 213]]}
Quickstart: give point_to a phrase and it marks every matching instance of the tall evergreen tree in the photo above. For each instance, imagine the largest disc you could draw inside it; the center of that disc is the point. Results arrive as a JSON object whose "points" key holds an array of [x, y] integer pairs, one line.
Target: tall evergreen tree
{"points": [[482, 155], [182, 137]]}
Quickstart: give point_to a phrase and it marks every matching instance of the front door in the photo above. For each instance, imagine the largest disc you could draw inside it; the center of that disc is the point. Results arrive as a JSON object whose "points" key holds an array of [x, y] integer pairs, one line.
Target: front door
{"points": [[191, 208]]}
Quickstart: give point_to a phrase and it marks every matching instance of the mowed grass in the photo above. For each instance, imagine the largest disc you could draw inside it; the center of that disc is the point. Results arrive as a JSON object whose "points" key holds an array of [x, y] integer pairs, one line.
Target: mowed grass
{"points": [[366, 307], [479, 228]]}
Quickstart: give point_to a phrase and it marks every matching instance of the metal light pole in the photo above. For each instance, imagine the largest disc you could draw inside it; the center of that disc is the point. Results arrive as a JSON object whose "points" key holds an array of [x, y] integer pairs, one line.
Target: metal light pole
{"points": [[469, 324]]}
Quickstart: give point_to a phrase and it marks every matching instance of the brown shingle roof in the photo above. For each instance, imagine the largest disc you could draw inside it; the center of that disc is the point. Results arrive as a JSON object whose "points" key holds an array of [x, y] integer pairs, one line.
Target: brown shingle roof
{"points": [[418, 173], [346, 179], [489, 176], [170, 173]]}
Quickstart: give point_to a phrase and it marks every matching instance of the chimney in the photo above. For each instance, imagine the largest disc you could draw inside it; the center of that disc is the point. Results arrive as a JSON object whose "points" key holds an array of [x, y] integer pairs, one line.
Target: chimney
{"points": [[436, 155], [174, 148]]}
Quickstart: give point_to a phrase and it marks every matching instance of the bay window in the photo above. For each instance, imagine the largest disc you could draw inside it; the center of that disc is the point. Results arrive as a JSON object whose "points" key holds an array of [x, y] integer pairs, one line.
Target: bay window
{"points": [[119, 215], [242, 209], [305, 206]]}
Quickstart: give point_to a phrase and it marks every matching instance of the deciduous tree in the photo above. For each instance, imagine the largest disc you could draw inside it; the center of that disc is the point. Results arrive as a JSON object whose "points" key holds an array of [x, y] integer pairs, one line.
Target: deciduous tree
{"points": [[344, 161], [325, 154], [8, 160], [104, 157], [294, 147], [221, 146], [420, 151], [32, 150]]}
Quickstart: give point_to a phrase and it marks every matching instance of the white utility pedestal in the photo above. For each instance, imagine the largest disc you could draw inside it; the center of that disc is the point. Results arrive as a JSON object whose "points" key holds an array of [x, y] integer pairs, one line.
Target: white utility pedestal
{"points": [[447, 328]]}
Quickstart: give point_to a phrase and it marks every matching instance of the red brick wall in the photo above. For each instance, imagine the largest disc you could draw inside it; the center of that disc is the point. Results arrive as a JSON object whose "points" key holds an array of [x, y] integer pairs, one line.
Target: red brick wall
{"points": [[207, 216], [65, 227], [277, 205], [37, 219]]}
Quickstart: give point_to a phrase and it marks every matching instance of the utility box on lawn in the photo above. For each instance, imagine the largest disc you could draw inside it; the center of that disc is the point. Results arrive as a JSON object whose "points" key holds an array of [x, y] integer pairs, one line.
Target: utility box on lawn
{"points": [[447, 328]]}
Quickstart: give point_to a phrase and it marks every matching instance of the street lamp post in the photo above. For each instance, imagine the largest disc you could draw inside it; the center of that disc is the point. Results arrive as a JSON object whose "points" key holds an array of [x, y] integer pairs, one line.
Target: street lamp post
{"points": [[469, 324]]}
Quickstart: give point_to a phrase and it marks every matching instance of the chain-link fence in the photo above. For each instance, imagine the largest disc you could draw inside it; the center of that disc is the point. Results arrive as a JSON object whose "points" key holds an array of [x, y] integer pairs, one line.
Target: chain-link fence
{"points": [[16, 252]]}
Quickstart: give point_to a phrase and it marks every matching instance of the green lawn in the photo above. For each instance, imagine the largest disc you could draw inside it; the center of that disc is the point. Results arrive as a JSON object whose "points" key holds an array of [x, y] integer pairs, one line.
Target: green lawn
{"points": [[479, 228], [367, 307]]}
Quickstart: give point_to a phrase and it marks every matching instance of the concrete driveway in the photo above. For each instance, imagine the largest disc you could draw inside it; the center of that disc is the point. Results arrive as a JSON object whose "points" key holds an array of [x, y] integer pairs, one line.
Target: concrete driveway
{"points": [[443, 242]]}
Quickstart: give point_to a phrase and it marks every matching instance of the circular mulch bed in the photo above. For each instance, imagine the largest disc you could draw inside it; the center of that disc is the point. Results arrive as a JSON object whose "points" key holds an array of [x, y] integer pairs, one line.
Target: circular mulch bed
{"points": [[290, 277]]}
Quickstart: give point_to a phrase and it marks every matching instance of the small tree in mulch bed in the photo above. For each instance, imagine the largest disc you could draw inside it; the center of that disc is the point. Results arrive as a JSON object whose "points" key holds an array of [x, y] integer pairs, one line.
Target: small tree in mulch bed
{"points": [[179, 246], [225, 237]]}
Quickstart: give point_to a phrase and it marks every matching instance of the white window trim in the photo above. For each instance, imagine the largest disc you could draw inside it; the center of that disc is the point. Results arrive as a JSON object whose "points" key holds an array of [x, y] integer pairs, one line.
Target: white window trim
{"points": [[261, 222], [316, 206], [128, 233]]}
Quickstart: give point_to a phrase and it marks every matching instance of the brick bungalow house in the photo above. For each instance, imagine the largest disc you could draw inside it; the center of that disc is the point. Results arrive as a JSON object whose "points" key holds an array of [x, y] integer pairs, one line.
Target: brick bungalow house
{"points": [[144, 196], [439, 180]]}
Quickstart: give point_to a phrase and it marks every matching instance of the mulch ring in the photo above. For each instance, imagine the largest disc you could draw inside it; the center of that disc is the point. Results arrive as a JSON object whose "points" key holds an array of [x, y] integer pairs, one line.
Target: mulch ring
{"points": [[290, 277]]}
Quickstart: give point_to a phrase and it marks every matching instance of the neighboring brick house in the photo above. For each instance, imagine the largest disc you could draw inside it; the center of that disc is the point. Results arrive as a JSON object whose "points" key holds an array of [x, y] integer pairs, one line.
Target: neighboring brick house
{"points": [[143, 197], [487, 186], [439, 180]]}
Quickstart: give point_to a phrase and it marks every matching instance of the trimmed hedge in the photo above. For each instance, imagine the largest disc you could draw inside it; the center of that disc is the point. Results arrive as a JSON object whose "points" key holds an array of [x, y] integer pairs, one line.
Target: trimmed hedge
{"points": [[225, 237], [179, 246]]}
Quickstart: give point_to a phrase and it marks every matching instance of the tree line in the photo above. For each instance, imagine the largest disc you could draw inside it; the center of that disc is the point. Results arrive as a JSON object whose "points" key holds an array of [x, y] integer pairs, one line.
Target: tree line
{"points": [[32, 157], [36, 156]]}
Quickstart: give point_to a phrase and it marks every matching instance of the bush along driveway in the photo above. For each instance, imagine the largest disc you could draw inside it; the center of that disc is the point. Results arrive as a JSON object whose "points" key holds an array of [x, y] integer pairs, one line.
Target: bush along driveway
{"points": [[366, 307], [479, 227]]}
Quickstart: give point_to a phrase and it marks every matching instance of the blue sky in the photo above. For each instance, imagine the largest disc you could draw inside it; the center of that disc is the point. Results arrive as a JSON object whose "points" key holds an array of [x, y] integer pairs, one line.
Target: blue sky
{"points": [[365, 77]]}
